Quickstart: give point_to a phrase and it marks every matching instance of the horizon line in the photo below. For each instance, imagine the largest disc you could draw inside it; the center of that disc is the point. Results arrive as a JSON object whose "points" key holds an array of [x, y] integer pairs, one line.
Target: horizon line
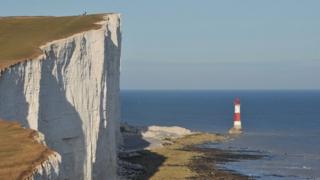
{"points": [[128, 89]]}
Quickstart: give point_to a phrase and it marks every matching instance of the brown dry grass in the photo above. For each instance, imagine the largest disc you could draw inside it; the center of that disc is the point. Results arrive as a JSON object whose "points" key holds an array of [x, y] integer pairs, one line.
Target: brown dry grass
{"points": [[19, 152], [21, 37]]}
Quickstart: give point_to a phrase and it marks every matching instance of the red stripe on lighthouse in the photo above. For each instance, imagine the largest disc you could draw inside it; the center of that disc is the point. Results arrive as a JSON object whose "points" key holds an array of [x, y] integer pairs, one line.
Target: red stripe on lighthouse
{"points": [[237, 117]]}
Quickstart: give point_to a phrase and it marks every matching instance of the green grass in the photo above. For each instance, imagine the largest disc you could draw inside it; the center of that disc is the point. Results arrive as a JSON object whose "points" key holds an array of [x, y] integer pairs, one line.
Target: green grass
{"points": [[21, 37], [19, 152]]}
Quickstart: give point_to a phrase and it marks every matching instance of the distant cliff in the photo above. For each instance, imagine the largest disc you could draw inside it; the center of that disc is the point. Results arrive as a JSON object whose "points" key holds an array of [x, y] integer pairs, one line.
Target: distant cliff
{"points": [[70, 93]]}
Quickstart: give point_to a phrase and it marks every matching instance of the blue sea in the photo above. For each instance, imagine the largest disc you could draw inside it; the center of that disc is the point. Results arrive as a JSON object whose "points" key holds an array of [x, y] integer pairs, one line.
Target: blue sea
{"points": [[283, 125]]}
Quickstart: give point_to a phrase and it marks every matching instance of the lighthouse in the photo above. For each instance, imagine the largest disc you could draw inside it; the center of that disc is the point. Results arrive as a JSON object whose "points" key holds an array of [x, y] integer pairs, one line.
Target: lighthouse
{"points": [[237, 121], [237, 118]]}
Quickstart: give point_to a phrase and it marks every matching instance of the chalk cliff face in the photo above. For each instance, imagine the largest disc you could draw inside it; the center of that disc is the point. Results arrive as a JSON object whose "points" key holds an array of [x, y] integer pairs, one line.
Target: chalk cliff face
{"points": [[71, 95]]}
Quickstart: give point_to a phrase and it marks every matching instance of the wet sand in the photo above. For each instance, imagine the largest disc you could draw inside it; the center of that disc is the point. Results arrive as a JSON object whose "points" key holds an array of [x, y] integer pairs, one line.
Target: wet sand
{"points": [[206, 165]]}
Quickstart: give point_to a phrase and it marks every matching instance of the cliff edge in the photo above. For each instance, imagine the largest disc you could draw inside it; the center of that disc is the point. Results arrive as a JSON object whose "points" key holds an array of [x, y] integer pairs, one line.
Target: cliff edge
{"points": [[21, 37], [24, 154], [70, 93]]}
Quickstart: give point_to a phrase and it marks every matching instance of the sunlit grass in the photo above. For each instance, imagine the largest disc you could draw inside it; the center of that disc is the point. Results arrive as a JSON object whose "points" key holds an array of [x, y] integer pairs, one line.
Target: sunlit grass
{"points": [[19, 152], [21, 37]]}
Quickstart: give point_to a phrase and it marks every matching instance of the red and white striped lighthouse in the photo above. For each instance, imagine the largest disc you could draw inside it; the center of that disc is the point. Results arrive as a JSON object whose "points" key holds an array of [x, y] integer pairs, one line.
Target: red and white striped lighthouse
{"points": [[237, 120]]}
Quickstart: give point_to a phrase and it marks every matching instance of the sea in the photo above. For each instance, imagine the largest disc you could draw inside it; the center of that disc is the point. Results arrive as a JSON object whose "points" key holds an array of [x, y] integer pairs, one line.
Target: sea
{"points": [[281, 125]]}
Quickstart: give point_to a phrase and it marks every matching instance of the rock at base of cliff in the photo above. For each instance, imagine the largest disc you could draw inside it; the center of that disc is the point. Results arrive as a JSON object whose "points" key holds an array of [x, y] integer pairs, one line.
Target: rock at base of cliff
{"points": [[139, 138]]}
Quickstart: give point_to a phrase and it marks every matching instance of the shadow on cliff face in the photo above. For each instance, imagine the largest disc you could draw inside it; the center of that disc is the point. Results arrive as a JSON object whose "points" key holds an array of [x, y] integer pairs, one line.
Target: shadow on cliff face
{"points": [[105, 164], [132, 142], [58, 119], [13, 103]]}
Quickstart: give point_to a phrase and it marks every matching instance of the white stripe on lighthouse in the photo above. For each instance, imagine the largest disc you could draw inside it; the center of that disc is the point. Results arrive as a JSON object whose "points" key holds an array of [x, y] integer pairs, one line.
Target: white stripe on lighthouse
{"points": [[237, 124], [237, 108]]}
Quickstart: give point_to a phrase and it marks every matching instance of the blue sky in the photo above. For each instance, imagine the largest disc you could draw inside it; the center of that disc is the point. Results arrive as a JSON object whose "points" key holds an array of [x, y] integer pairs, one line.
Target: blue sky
{"points": [[207, 44]]}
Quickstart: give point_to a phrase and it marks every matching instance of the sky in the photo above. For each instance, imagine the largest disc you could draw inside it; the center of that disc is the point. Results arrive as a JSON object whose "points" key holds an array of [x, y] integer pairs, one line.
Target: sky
{"points": [[206, 44]]}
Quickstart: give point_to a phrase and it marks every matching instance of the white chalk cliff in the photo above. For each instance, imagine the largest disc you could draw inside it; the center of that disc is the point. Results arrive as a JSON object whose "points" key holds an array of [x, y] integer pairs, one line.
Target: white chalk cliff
{"points": [[71, 95]]}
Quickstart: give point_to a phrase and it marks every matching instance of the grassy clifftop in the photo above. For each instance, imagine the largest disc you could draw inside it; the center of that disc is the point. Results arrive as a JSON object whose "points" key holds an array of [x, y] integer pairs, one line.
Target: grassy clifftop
{"points": [[19, 152], [21, 37]]}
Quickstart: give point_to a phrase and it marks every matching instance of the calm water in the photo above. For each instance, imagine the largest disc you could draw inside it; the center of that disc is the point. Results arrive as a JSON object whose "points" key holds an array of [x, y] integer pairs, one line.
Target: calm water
{"points": [[285, 125]]}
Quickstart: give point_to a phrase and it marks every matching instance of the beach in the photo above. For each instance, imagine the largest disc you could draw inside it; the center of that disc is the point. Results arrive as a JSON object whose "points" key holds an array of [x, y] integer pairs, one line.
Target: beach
{"points": [[178, 155]]}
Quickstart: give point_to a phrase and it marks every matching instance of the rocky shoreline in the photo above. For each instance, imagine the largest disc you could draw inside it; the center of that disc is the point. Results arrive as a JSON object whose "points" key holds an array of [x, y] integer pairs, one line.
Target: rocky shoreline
{"points": [[174, 153]]}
